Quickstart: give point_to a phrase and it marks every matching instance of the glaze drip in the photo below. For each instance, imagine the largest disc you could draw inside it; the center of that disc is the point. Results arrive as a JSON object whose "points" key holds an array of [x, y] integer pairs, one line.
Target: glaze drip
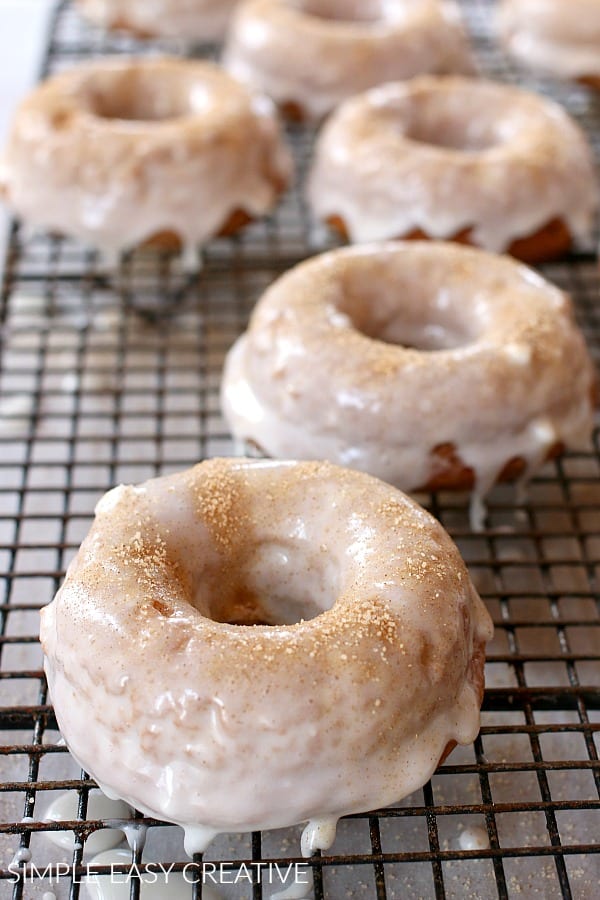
{"points": [[272, 44], [190, 20], [196, 155], [517, 389], [553, 36], [454, 157], [215, 746]]}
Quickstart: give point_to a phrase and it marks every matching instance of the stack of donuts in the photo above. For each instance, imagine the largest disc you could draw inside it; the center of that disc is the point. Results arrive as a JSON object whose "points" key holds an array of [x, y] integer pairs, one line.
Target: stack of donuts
{"points": [[315, 621]]}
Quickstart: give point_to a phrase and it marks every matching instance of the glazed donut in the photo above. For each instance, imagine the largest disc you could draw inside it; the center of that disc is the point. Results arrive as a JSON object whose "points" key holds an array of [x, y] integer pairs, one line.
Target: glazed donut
{"points": [[429, 365], [248, 645], [474, 161], [192, 20], [310, 55], [554, 36], [119, 152]]}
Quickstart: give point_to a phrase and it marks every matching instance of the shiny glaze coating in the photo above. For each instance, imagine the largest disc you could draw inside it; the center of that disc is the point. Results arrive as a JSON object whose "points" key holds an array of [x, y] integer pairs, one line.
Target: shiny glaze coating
{"points": [[554, 36], [191, 20], [384, 357], [118, 151], [445, 156], [309, 56], [236, 727]]}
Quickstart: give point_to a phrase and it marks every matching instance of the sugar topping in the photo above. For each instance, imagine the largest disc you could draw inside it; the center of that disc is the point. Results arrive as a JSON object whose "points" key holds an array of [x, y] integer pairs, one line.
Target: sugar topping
{"points": [[202, 20], [405, 38], [448, 366], [553, 36], [375, 667], [117, 152], [454, 156]]}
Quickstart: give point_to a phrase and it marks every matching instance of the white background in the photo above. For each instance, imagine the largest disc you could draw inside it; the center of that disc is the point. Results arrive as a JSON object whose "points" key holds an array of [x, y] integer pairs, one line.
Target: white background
{"points": [[23, 29]]}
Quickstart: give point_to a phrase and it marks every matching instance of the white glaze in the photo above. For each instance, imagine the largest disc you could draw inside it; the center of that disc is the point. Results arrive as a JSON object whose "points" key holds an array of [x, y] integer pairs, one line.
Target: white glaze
{"points": [[304, 380], [553, 35], [157, 885], [319, 834], [316, 61], [197, 838], [198, 148], [474, 838], [21, 856], [135, 834], [192, 20], [478, 511], [238, 728], [64, 809], [447, 154], [15, 412]]}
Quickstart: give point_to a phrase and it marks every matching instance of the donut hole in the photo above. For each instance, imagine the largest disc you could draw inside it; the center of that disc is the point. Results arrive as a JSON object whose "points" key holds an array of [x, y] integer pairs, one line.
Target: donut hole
{"points": [[427, 336], [407, 315], [139, 96], [451, 121], [358, 11], [271, 584], [467, 136]]}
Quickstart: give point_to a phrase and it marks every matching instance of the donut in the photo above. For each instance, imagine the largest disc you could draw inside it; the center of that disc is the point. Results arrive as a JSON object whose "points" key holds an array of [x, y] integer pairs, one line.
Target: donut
{"points": [[457, 159], [553, 36], [247, 645], [121, 152], [309, 55], [192, 20], [426, 364]]}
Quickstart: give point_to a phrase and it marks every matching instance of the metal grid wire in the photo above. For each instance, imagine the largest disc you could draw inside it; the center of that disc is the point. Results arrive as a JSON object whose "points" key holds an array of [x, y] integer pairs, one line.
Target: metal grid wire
{"points": [[114, 377]]}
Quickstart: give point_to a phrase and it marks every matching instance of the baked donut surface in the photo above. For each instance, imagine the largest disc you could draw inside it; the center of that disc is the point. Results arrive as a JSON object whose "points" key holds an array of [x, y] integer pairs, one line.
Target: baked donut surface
{"points": [[118, 151], [454, 158], [310, 55], [366, 664], [554, 36], [426, 364], [192, 20]]}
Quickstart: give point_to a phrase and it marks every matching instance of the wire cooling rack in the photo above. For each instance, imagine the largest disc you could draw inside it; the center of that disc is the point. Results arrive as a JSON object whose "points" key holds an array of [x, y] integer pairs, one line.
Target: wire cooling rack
{"points": [[110, 377]]}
